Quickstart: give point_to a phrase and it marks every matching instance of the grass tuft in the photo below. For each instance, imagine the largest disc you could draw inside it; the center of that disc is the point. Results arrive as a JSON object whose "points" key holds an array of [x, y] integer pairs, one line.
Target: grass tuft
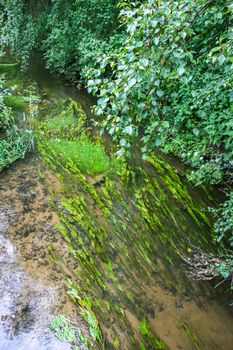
{"points": [[90, 158], [17, 103]]}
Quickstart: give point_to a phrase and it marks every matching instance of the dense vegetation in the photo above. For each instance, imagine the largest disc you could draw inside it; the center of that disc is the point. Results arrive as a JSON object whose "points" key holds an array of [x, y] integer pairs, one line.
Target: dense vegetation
{"points": [[162, 72], [14, 142]]}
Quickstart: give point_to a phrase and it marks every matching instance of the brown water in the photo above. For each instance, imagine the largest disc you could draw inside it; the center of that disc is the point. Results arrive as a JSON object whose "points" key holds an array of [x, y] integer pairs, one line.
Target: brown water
{"points": [[148, 278]]}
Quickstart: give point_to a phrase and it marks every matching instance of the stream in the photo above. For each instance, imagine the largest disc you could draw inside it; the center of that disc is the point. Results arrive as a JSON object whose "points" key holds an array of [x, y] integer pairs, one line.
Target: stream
{"points": [[118, 240]]}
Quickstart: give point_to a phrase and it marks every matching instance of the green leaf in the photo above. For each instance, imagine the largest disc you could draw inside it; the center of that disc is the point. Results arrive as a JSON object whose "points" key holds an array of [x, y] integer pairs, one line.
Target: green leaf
{"points": [[132, 82], [122, 142], [196, 131], [221, 59], [128, 129], [181, 70], [158, 142]]}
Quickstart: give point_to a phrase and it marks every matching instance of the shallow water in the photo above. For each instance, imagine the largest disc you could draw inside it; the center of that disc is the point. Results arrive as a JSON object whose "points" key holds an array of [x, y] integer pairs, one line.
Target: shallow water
{"points": [[128, 264], [32, 288]]}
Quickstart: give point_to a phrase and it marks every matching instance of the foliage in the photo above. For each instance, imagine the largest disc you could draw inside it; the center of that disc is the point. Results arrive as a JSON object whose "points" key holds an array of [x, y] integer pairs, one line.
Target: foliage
{"points": [[153, 341], [14, 142], [165, 80], [171, 77], [63, 331], [69, 34], [9, 68], [5, 113], [14, 146], [17, 32], [17, 103], [68, 120], [86, 311], [66, 133], [226, 269], [162, 76], [224, 224], [171, 84]]}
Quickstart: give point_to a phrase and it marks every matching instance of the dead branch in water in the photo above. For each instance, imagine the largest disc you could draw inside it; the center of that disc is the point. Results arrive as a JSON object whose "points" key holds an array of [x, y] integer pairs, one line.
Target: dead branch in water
{"points": [[206, 266]]}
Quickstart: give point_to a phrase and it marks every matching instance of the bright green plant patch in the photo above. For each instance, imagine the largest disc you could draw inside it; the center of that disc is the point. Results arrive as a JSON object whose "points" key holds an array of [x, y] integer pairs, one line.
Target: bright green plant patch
{"points": [[17, 103], [90, 158]]}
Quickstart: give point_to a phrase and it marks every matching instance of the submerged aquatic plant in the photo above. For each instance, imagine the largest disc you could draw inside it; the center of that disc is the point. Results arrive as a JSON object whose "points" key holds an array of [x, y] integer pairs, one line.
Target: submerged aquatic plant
{"points": [[66, 119], [8, 68], [86, 311], [132, 211], [153, 341], [65, 330]]}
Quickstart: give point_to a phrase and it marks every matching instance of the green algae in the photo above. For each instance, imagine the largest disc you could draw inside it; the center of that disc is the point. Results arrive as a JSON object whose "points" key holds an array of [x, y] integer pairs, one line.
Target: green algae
{"points": [[124, 223], [155, 342], [190, 335]]}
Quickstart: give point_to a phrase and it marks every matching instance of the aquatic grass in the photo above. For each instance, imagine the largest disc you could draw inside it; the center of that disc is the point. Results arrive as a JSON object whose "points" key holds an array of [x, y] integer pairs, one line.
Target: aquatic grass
{"points": [[17, 103], [130, 212], [8, 68], [89, 157], [15, 84], [153, 340]]}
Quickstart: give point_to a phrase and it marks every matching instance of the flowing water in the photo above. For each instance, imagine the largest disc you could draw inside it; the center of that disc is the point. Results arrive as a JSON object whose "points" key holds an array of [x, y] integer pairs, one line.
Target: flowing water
{"points": [[119, 245]]}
